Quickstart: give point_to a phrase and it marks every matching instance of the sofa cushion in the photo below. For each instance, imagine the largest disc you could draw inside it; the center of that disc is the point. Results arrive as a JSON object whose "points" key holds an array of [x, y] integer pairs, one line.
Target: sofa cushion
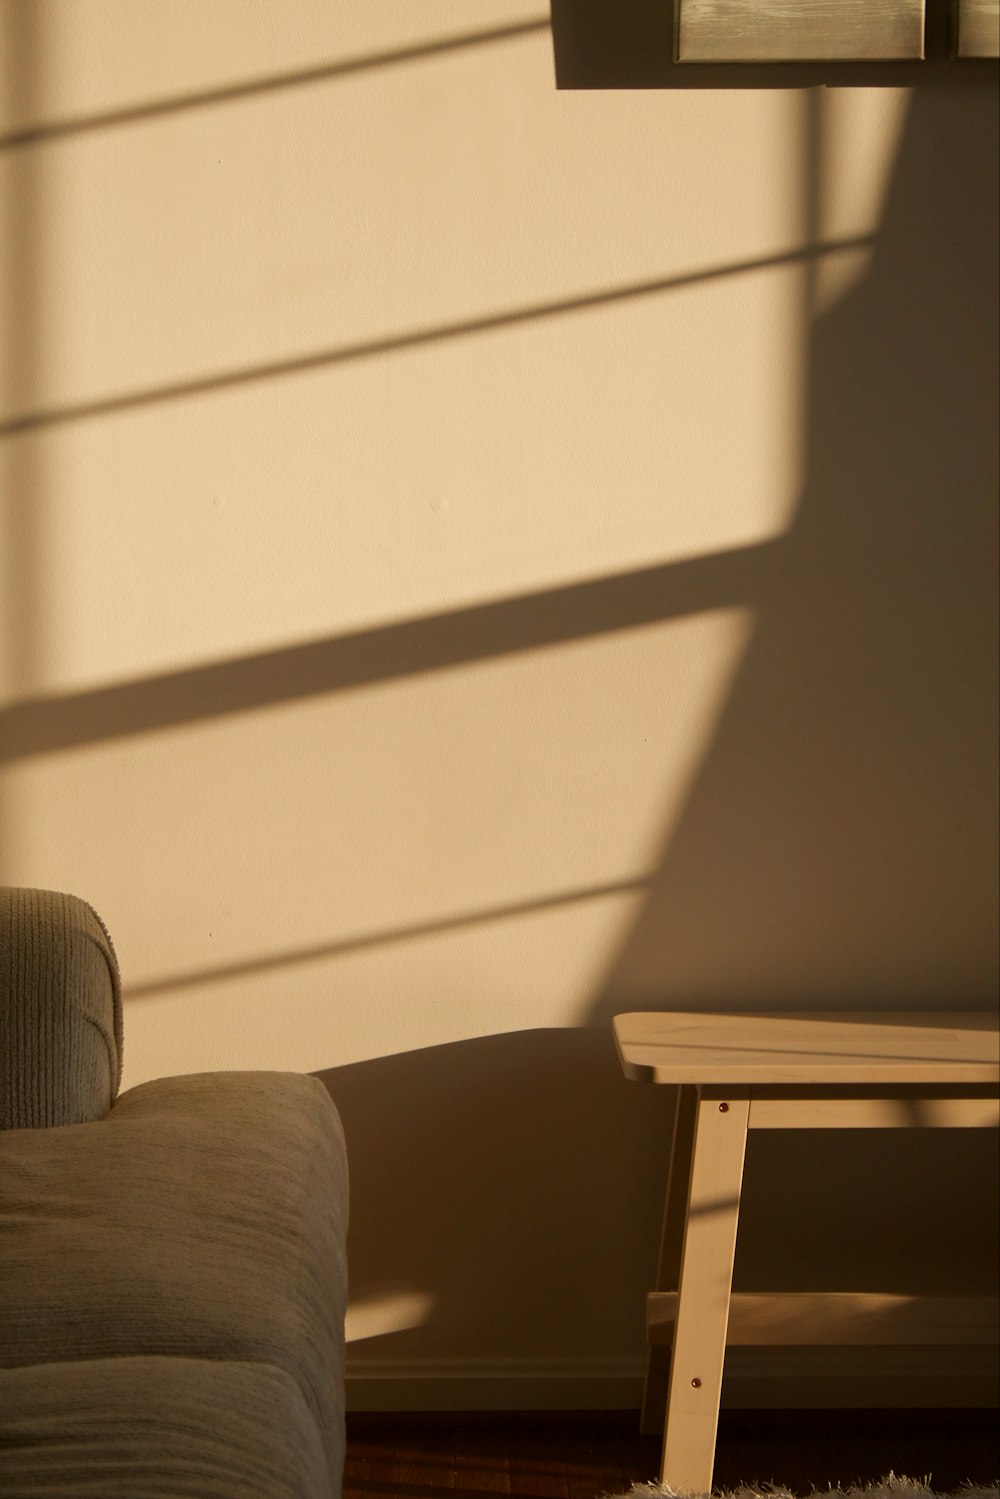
{"points": [[140, 1428], [60, 1011], [203, 1219]]}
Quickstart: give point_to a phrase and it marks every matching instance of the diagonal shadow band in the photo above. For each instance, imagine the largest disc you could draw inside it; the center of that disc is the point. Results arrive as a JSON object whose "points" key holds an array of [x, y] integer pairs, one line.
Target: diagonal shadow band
{"points": [[303, 364], [130, 114], [458, 637], [385, 937]]}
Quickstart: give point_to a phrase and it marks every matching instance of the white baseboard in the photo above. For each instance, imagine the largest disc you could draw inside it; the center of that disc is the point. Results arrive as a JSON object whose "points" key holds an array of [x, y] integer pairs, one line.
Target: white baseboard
{"points": [[776, 1379]]}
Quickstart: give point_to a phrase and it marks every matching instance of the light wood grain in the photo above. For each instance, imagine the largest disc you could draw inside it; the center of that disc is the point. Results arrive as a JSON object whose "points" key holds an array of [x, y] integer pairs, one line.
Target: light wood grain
{"points": [[843, 1070], [902, 1112], [976, 28], [789, 1318], [798, 30], [654, 1395], [846, 1048], [699, 1345]]}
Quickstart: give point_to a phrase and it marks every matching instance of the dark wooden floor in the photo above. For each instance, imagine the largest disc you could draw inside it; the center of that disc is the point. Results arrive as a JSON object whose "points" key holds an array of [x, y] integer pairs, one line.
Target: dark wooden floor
{"points": [[584, 1455]]}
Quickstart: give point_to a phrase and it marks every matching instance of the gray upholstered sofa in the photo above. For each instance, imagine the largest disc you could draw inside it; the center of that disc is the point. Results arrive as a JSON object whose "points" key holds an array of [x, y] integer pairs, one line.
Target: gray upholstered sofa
{"points": [[172, 1260]]}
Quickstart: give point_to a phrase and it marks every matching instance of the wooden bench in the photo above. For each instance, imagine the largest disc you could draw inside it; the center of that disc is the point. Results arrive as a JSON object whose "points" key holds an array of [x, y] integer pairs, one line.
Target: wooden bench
{"points": [[818, 1071]]}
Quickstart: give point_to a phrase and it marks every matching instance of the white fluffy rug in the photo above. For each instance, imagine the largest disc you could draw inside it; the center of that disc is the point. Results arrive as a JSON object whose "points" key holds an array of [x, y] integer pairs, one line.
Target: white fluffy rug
{"points": [[890, 1488]]}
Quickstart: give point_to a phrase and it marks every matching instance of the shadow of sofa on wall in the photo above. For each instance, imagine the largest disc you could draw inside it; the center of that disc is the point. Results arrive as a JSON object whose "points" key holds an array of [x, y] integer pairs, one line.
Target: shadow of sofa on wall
{"points": [[506, 1197]]}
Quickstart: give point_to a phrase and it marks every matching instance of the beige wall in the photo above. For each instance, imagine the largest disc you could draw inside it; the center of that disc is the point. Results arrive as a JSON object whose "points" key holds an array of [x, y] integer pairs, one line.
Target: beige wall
{"points": [[478, 556]]}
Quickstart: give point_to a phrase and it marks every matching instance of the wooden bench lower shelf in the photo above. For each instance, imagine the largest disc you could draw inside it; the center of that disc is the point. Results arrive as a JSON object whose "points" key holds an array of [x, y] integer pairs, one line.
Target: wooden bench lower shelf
{"points": [[789, 1318]]}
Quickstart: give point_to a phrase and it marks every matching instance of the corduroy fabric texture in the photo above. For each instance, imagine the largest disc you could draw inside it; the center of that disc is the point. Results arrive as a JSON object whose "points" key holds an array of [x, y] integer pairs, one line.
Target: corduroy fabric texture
{"points": [[60, 1011], [157, 1428], [204, 1220]]}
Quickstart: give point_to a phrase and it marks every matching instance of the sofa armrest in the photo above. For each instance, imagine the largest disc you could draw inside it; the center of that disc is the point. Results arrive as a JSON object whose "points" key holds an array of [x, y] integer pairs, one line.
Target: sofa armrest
{"points": [[204, 1220], [60, 1011]]}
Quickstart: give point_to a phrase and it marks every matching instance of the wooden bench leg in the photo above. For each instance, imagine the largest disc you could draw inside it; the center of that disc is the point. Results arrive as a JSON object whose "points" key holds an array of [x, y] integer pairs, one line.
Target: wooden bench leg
{"points": [[706, 1278], [654, 1399]]}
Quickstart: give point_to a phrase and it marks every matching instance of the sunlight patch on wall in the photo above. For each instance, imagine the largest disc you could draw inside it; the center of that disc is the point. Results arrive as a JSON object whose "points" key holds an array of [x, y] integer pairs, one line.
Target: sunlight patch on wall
{"points": [[449, 855], [434, 479], [393, 1311], [194, 46], [395, 480], [492, 978]]}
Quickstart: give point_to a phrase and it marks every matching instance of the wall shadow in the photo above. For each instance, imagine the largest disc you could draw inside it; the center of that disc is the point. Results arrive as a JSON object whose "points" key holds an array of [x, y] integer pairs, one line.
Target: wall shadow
{"points": [[523, 1171], [249, 88], [849, 797], [34, 419], [386, 653], [23, 498], [491, 1172], [381, 937], [848, 801]]}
